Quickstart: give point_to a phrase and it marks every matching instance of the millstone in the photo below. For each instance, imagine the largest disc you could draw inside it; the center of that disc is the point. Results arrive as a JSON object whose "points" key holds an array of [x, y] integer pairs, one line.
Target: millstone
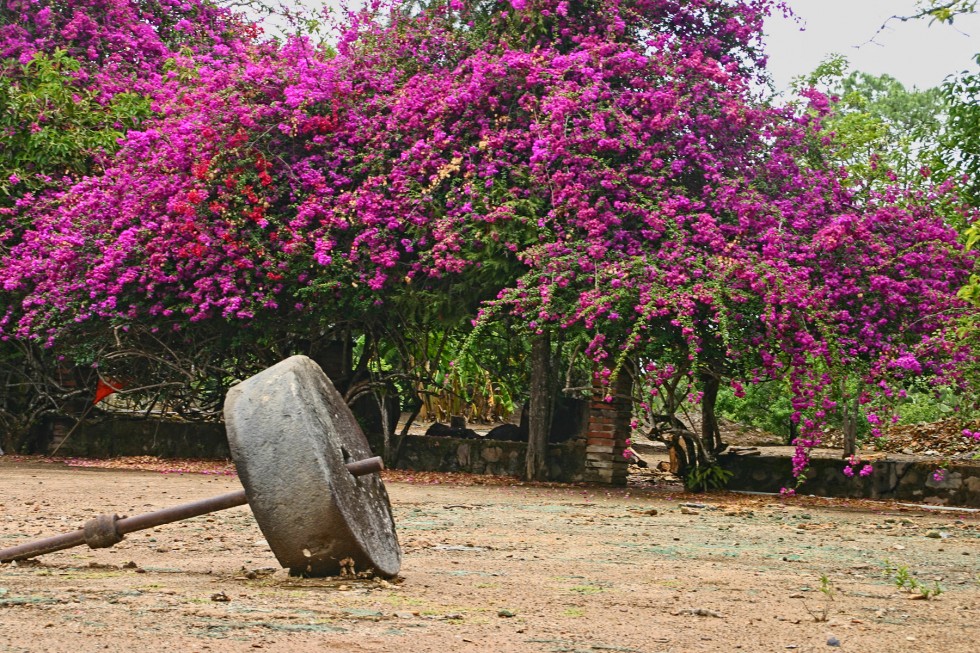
{"points": [[291, 435]]}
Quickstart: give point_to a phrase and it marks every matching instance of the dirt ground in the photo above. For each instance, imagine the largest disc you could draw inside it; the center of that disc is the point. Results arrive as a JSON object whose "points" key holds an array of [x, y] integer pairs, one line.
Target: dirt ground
{"points": [[494, 567]]}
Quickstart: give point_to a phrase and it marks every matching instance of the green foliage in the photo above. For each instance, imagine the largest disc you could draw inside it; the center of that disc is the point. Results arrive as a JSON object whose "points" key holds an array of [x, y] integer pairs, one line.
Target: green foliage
{"points": [[764, 406], [767, 406], [944, 11], [958, 156], [704, 478], [53, 127], [431, 365], [879, 130], [924, 404], [959, 150]]}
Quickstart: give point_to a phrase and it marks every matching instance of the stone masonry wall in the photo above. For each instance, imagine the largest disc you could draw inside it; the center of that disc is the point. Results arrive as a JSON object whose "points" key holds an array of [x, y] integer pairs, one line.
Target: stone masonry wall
{"points": [[597, 459], [139, 437], [493, 457], [895, 478]]}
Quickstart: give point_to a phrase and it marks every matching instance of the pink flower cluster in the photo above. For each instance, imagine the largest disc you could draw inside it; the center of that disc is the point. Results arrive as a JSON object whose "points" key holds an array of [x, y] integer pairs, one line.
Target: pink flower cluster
{"points": [[853, 463]]}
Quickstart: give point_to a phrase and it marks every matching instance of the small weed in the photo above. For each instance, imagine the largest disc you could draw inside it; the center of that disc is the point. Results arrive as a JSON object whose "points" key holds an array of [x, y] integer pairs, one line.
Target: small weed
{"points": [[931, 592], [826, 586], [905, 580], [822, 614], [575, 612], [585, 589]]}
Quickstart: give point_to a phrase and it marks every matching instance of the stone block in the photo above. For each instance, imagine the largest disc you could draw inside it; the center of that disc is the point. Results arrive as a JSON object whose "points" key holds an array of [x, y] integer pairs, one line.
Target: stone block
{"points": [[492, 454], [463, 456]]}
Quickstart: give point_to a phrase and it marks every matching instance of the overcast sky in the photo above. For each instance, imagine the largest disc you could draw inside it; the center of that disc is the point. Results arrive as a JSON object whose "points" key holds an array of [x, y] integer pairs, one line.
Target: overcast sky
{"points": [[913, 52]]}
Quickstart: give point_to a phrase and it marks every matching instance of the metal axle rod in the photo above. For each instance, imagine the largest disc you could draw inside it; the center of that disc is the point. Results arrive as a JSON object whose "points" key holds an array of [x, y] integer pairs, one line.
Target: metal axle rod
{"points": [[107, 530]]}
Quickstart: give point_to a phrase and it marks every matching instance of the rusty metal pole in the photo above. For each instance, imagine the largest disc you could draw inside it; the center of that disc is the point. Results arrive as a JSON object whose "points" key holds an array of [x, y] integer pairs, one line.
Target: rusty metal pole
{"points": [[106, 530]]}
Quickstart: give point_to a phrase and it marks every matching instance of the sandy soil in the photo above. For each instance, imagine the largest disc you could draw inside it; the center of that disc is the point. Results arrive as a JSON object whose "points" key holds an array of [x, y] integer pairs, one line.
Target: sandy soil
{"points": [[501, 567]]}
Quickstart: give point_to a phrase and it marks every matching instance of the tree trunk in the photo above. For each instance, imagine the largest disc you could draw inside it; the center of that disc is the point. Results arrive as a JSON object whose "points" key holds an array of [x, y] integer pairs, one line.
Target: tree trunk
{"points": [[403, 435], [387, 428], [539, 413], [710, 435], [850, 417], [794, 432]]}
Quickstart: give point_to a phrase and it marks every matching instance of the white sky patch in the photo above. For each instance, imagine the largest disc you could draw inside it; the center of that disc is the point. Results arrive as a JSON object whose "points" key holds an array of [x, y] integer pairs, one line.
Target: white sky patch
{"points": [[913, 52]]}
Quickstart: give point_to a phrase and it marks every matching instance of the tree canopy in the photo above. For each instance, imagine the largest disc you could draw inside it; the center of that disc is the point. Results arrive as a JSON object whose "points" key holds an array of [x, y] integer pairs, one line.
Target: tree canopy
{"points": [[605, 169]]}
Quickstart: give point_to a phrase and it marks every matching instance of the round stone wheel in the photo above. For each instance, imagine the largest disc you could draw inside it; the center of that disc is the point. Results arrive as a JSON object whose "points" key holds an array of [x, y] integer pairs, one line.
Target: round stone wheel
{"points": [[291, 435]]}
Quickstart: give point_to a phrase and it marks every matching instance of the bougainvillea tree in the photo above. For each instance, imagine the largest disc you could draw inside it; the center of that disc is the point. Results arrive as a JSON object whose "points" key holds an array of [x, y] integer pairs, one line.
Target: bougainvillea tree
{"points": [[77, 74], [603, 168], [74, 77]]}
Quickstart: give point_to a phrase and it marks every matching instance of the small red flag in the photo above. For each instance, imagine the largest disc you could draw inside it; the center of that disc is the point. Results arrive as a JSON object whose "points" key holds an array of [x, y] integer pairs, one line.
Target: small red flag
{"points": [[104, 389]]}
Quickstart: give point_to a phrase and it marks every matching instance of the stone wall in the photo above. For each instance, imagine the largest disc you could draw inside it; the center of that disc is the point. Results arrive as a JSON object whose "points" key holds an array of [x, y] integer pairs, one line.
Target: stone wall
{"points": [[431, 454], [139, 437], [901, 479], [176, 439]]}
